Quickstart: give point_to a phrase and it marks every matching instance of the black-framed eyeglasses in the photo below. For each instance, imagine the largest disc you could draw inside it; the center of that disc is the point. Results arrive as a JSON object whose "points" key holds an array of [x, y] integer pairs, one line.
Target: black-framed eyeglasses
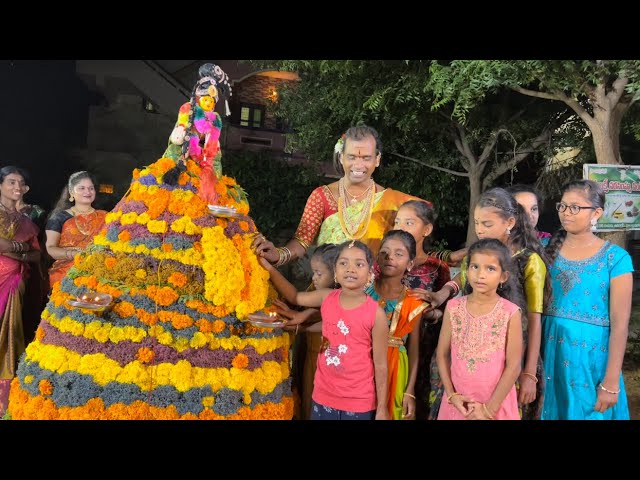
{"points": [[575, 209]]}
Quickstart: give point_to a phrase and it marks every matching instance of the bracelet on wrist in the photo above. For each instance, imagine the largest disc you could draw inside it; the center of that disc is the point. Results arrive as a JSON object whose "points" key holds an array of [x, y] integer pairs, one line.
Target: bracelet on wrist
{"points": [[487, 412], [535, 379], [450, 397], [409, 395], [612, 392]]}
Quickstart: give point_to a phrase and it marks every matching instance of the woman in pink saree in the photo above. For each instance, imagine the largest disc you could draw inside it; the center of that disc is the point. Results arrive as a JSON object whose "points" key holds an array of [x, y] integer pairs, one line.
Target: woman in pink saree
{"points": [[18, 246]]}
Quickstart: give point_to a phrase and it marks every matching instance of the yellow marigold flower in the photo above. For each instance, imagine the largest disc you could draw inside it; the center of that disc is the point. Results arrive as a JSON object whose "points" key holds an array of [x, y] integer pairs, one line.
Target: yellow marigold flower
{"points": [[240, 361], [208, 402], [28, 379], [141, 274], [198, 340], [143, 218], [157, 226], [145, 355], [128, 218], [45, 387]]}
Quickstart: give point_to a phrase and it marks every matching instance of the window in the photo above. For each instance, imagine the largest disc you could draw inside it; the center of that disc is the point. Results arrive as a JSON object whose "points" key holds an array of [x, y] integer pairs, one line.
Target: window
{"points": [[251, 115], [105, 188]]}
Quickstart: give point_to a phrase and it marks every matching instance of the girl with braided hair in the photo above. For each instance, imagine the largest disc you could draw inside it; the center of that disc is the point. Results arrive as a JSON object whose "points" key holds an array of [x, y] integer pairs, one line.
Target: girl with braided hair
{"points": [[587, 320], [498, 215]]}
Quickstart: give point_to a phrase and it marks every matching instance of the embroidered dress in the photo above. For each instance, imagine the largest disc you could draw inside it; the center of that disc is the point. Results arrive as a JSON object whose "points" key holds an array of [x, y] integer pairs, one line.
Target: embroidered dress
{"points": [[345, 374], [534, 272], [478, 354], [576, 333]]}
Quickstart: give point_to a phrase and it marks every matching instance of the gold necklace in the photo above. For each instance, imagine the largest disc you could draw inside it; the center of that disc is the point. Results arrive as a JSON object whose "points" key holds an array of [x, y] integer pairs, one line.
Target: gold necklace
{"points": [[354, 198], [75, 219], [9, 221], [354, 228]]}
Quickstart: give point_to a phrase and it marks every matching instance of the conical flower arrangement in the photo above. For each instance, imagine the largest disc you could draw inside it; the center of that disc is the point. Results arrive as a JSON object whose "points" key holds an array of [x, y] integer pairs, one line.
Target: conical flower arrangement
{"points": [[174, 343]]}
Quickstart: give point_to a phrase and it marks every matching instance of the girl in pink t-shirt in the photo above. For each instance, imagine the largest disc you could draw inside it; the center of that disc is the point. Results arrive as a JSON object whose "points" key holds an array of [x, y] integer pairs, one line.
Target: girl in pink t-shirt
{"points": [[351, 376]]}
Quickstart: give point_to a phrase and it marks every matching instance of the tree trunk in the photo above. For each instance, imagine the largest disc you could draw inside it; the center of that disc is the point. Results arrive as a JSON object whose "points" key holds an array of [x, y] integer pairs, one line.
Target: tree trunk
{"points": [[603, 143], [606, 143], [475, 190]]}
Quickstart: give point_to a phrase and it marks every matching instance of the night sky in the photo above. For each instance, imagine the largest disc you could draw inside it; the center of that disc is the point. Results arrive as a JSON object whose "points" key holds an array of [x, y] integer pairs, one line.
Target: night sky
{"points": [[43, 114]]}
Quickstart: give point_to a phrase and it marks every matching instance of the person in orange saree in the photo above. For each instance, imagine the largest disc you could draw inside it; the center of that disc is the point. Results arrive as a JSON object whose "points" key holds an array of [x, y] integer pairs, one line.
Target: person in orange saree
{"points": [[18, 247], [72, 224]]}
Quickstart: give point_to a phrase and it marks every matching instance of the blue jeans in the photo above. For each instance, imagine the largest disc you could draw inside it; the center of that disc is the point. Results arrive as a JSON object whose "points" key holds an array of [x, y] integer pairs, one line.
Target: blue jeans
{"points": [[320, 412]]}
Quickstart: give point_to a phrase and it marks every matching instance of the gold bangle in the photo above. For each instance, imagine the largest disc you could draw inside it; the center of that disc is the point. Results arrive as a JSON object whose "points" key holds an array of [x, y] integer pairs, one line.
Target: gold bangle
{"points": [[535, 379], [487, 412], [612, 392], [450, 397], [409, 395]]}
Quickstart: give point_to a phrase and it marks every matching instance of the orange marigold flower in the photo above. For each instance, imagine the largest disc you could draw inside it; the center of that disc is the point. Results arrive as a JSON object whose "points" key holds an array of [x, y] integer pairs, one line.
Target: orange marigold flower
{"points": [[45, 387], [124, 236], [243, 225], [183, 179], [145, 355], [146, 317], [197, 246], [164, 296], [109, 262], [241, 361], [204, 325], [218, 326], [40, 334], [177, 279], [167, 247], [124, 309]]}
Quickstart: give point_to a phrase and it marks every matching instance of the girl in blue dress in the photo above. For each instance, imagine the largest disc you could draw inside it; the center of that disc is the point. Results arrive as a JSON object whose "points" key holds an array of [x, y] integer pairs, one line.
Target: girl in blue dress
{"points": [[585, 325]]}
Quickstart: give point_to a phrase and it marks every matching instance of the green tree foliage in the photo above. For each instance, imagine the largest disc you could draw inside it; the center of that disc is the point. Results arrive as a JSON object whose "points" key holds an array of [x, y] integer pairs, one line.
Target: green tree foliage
{"points": [[277, 192], [600, 92]]}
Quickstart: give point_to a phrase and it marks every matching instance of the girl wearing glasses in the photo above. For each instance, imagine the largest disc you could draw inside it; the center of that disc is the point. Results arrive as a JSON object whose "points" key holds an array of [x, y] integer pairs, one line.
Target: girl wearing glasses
{"points": [[586, 323]]}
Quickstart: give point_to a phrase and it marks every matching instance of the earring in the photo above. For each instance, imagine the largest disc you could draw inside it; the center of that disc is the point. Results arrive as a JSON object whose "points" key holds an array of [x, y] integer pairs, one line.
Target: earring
{"points": [[593, 224], [508, 231], [71, 199], [500, 286], [335, 279]]}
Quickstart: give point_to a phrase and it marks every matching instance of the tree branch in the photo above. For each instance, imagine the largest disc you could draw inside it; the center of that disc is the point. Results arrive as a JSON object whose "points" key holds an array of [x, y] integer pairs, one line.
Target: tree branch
{"points": [[560, 96], [617, 90], [465, 148], [533, 93], [442, 169], [491, 143], [517, 158]]}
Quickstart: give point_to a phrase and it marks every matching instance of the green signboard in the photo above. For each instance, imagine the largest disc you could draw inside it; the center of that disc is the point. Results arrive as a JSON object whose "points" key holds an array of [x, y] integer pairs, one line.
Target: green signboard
{"points": [[621, 185]]}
